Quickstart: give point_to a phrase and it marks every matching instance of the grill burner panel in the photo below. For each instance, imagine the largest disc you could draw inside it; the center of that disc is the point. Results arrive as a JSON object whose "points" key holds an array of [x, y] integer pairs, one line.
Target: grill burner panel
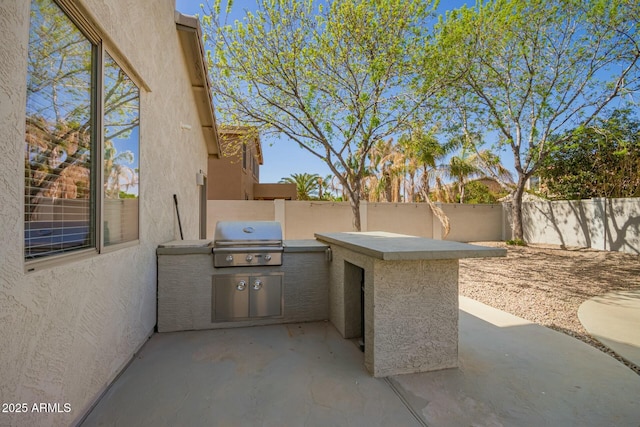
{"points": [[247, 243], [249, 256]]}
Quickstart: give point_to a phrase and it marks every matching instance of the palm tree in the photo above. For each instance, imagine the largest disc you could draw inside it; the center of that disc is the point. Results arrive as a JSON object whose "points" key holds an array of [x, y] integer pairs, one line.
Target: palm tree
{"points": [[306, 184], [392, 168], [469, 164], [326, 188], [336, 188], [425, 151], [386, 172], [462, 167], [116, 173], [373, 182], [56, 162]]}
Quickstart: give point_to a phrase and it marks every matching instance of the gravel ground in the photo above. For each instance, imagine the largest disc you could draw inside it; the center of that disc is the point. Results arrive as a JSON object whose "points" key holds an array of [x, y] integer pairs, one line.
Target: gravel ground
{"points": [[547, 284]]}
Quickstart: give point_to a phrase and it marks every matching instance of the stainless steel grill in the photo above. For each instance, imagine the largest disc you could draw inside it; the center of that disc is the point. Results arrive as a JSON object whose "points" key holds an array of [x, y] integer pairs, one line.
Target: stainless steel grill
{"points": [[247, 243]]}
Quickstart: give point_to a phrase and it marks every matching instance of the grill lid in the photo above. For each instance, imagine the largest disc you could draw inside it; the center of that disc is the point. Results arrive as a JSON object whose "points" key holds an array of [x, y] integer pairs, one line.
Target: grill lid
{"points": [[237, 233]]}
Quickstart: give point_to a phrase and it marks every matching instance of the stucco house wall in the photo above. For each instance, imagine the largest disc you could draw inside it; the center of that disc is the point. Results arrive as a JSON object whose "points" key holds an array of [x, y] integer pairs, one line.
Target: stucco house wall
{"points": [[234, 174], [226, 179], [66, 331]]}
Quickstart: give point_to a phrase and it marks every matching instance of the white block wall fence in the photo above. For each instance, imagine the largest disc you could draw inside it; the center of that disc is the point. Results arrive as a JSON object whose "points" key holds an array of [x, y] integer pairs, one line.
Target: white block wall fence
{"points": [[603, 224]]}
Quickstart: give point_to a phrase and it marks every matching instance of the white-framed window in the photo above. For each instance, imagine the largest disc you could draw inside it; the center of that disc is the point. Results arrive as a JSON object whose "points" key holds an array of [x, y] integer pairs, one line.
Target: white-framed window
{"points": [[82, 140]]}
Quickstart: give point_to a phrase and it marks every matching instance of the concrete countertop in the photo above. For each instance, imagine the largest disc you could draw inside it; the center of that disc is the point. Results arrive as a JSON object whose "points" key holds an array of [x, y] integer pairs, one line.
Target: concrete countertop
{"points": [[304, 245], [182, 247], [391, 246]]}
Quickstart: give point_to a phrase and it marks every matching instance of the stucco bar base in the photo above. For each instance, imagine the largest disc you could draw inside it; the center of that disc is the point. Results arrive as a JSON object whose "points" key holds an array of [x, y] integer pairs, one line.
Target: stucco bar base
{"points": [[410, 298], [411, 311]]}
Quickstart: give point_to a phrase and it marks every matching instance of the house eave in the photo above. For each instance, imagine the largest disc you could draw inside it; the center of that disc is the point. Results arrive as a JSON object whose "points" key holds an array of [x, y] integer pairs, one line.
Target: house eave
{"points": [[191, 41]]}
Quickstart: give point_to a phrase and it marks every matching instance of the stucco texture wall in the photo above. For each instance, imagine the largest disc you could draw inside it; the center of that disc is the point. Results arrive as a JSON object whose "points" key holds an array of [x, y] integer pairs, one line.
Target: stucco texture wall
{"points": [[304, 218], [66, 331], [473, 223], [404, 218], [599, 223], [411, 311], [301, 219]]}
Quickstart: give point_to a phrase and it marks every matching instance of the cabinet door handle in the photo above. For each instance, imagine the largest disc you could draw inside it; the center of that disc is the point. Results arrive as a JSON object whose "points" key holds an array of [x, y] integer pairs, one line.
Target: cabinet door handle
{"points": [[257, 285], [241, 285]]}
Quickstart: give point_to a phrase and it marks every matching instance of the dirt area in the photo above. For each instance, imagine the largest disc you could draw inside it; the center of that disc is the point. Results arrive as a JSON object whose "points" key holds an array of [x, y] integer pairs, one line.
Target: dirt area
{"points": [[546, 284]]}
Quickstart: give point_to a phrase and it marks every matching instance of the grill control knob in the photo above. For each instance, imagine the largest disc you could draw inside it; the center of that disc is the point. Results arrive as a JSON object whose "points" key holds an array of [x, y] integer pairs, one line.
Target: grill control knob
{"points": [[267, 257], [229, 258], [257, 284], [249, 258], [241, 285]]}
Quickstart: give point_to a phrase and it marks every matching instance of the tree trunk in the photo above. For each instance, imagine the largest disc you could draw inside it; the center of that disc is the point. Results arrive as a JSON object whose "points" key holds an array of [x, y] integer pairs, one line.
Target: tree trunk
{"points": [[354, 189], [439, 213], [355, 208], [517, 229]]}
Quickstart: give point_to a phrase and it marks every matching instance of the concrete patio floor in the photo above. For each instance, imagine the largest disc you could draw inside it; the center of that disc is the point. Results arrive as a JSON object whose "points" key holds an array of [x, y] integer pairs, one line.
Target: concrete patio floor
{"points": [[512, 373], [614, 320]]}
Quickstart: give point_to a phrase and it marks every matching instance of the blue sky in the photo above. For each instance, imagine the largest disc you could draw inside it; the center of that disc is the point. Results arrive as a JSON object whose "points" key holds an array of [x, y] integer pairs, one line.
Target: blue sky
{"points": [[283, 157]]}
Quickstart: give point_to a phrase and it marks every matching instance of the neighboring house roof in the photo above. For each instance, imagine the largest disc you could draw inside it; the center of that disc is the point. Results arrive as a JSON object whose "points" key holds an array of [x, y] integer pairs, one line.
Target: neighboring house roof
{"points": [[190, 35]]}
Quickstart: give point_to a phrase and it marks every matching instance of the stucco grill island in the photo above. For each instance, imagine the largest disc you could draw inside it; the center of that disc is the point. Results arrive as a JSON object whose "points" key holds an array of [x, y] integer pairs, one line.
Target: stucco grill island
{"points": [[397, 293]]}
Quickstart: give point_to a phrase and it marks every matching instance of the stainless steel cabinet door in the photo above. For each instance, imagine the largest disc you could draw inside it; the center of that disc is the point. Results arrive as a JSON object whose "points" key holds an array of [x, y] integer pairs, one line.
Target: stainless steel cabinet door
{"points": [[231, 294], [265, 295]]}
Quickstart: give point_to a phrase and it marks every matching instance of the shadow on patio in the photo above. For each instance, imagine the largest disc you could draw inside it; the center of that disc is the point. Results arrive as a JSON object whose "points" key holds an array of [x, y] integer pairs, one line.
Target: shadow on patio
{"points": [[512, 373]]}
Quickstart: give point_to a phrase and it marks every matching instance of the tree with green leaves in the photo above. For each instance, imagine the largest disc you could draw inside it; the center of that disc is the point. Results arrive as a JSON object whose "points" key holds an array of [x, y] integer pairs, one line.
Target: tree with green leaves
{"points": [[307, 184], [476, 192], [531, 69], [601, 160], [335, 78], [469, 162], [461, 168], [424, 152]]}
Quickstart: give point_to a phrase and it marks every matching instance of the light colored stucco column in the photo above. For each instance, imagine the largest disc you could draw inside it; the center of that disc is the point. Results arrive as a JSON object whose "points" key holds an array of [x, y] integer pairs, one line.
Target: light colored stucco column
{"points": [[411, 317]]}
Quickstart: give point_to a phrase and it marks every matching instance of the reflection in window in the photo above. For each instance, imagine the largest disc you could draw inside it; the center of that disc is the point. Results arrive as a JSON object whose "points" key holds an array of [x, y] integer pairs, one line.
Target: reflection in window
{"points": [[59, 205], [121, 154], [66, 140]]}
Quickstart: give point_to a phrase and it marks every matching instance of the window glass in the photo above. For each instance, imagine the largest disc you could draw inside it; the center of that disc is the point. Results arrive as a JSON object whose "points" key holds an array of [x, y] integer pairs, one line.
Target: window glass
{"points": [[59, 206], [67, 141], [121, 173]]}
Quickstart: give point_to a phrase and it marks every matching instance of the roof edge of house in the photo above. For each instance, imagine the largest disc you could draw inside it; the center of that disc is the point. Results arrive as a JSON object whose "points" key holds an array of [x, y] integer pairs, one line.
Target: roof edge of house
{"points": [[190, 26]]}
